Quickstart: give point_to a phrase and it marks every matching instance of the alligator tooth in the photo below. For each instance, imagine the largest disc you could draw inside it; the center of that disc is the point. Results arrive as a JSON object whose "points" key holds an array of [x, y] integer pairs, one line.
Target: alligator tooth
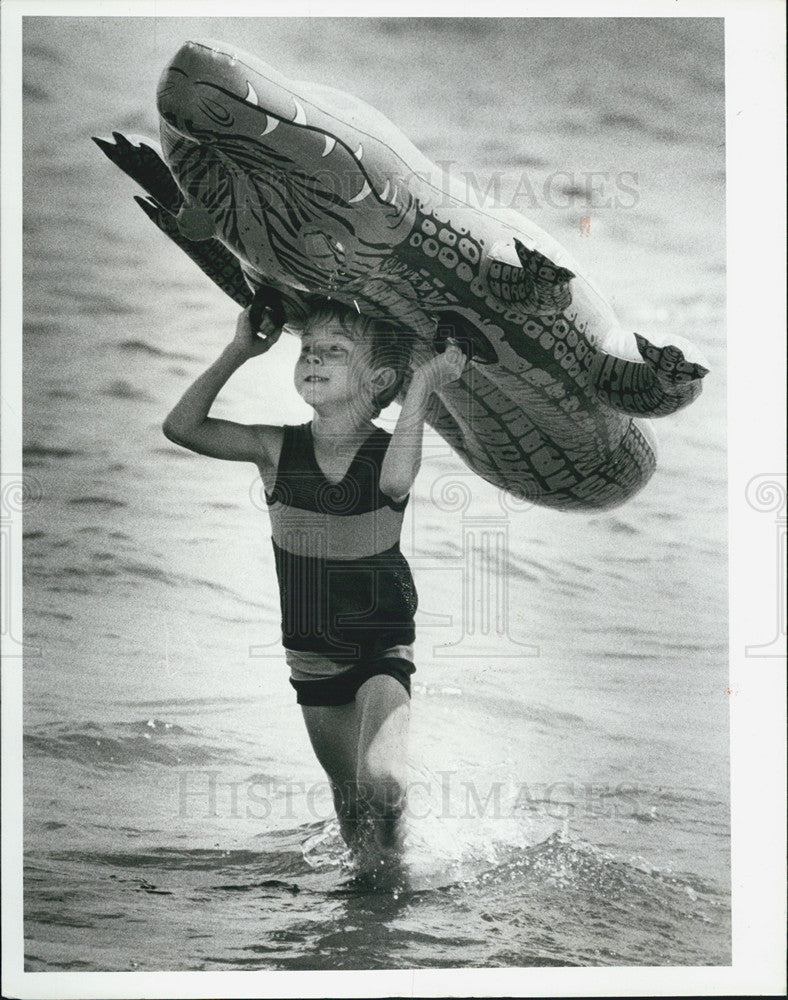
{"points": [[359, 152], [385, 193], [251, 97], [300, 114], [330, 143], [270, 126], [362, 193]]}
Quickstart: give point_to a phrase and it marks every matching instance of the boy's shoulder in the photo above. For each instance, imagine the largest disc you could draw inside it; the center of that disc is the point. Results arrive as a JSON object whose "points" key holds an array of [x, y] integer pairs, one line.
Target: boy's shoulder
{"points": [[270, 438], [270, 432]]}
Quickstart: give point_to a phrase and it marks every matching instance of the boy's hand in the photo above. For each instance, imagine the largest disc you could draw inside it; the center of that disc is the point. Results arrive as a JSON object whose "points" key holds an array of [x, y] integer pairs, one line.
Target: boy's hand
{"points": [[251, 343], [442, 369]]}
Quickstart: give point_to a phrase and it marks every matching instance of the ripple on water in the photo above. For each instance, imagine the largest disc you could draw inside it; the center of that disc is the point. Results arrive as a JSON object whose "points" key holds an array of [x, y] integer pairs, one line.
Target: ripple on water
{"points": [[34, 452], [97, 501], [125, 745], [144, 349], [123, 389]]}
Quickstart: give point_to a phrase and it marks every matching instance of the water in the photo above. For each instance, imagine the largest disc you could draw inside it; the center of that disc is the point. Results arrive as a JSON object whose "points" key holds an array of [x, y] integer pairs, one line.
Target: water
{"points": [[570, 799]]}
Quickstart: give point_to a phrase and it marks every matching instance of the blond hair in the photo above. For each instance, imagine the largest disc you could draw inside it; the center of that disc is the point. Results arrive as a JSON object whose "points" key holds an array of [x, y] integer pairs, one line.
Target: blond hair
{"points": [[389, 345]]}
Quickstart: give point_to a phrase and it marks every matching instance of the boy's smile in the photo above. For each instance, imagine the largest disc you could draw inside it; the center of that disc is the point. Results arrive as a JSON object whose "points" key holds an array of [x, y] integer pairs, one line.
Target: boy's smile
{"points": [[331, 367]]}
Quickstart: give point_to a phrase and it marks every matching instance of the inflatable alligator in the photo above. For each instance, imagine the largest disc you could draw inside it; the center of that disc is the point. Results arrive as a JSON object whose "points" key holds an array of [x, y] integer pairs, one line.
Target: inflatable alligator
{"points": [[285, 191]]}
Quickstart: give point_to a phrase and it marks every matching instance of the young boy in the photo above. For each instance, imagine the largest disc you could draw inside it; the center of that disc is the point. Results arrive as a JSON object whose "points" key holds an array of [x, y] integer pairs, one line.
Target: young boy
{"points": [[336, 490]]}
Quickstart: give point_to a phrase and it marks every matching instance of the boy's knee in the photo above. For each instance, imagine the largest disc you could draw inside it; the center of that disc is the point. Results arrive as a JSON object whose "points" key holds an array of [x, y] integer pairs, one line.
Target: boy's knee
{"points": [[381, 790]]}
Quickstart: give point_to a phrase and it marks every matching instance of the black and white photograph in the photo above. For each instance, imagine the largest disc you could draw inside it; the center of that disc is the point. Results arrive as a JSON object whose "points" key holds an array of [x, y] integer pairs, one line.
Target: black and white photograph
{"points": [[393, 501]]}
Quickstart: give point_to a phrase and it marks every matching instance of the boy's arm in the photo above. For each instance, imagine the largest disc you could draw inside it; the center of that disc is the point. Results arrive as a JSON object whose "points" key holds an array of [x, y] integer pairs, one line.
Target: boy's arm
{"points": [[403, 457], [188, 423]]}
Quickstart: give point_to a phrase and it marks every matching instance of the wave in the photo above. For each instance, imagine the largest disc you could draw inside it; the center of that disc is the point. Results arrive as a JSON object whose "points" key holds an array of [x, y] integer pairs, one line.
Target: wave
{"points": [[592, 889], [481, 900], [171, 451], [533, 713], [626, 122], [123, 389], [38, 50], [109, 564], [133, 346], [31, 92], [60, 616], [124, 745], [94, 302], [618, 526], [437, 690], [39, 451], [450, 26], [181, 703], [97, 501]]}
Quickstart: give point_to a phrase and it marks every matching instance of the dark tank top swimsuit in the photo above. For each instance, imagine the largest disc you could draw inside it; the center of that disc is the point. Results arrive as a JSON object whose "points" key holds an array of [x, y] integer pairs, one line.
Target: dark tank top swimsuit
{"points": [[346, 591]]}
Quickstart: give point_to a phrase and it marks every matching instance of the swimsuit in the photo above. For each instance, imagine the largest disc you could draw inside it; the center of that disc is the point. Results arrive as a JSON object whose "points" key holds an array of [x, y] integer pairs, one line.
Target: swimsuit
{"points": [[346, 591]]}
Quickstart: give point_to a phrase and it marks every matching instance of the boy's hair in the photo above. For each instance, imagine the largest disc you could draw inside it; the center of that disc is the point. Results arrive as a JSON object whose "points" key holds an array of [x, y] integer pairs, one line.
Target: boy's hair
{"points": [[389, 346]]}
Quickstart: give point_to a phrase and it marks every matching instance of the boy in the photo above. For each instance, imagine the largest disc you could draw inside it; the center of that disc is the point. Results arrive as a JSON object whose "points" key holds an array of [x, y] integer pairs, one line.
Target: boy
{"points": [[336, 490]]}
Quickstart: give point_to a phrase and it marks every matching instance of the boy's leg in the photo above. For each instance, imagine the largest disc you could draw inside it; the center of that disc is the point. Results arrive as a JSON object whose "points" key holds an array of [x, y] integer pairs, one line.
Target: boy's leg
{"points": [[383, 707], [333, 733]]}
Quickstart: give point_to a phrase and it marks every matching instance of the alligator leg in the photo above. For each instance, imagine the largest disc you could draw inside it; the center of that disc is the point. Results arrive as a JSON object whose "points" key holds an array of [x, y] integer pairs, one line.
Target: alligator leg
{"points": [[144, 164], [662, 384], [142, 161]]}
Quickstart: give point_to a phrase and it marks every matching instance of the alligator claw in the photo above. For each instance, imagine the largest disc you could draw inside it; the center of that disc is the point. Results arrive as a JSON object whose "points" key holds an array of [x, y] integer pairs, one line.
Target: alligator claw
{"points": [[145, 166]]}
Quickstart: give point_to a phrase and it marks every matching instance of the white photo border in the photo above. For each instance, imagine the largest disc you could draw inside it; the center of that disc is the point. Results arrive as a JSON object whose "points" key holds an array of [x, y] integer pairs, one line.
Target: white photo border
{"points": [[755, 123]]}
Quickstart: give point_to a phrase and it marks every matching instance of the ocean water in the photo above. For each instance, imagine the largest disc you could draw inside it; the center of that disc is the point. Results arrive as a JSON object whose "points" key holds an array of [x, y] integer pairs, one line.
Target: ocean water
{"points": [[570, 800]]}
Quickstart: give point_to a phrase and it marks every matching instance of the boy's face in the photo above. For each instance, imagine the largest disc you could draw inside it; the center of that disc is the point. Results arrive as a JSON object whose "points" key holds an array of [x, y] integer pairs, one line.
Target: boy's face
{"points": [[332, 367]]}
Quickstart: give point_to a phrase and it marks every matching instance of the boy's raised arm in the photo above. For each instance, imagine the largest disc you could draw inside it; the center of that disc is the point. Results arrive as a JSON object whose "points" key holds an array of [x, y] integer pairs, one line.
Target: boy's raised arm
{"points": [[403, 457], [188, 423]]}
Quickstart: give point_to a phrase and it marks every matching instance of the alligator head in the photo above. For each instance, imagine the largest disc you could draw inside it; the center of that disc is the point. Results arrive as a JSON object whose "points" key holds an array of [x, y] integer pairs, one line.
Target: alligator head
{"points": [[298, 187]]}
